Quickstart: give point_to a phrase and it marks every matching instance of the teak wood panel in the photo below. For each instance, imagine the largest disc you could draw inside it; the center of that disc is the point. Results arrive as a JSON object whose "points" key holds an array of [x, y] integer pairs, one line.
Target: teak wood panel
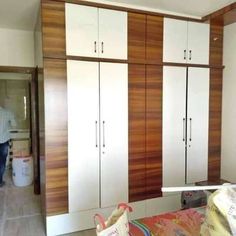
{"points": [[53, 29], [145, 39], [216, 43], [137, 133], [153, 131], [154, 39], [136, 38], [215, 108], [56, 142]]}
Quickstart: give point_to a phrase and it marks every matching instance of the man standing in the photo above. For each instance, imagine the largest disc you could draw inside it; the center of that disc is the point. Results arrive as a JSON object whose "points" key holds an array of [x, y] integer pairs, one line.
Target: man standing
{"points": [[6, 121]]}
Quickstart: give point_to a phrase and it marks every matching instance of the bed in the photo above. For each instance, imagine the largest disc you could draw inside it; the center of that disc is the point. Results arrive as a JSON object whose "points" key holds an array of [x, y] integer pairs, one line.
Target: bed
{"points": [[180, 223]]}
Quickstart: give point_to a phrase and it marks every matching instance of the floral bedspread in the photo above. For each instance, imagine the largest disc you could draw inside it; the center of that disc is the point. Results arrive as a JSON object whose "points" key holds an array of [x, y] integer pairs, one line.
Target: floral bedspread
{"points": [[180, 223]]}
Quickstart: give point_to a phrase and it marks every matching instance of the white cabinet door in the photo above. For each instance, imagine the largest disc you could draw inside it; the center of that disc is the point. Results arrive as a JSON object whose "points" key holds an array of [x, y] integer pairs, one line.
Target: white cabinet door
{"points": [[198, 120], [114, 133], [174, 125], [83, 135], [81, 30], [198, 43], [175, 41], [112, 34]]}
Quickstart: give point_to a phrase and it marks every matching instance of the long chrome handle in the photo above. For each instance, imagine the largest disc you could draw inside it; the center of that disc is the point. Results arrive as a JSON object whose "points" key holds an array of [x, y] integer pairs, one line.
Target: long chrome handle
{"points": [[185, 54], [190, 55], [95, 46], [96, 133], [183, 129], [102, 47], [103, 126], [190, 132]]}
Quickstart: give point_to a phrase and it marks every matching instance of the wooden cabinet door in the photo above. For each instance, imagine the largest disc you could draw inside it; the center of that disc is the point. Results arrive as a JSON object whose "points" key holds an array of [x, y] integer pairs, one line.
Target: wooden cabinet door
{"points": [[83, 135], [81, 30], [114, 133], [198, 43], [113, 34], [175, 41], [174, 125], [198, 123]]}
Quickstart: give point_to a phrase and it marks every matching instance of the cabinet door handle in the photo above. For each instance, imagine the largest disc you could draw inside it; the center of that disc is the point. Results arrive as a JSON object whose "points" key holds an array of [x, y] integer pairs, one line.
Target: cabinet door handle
{"points": [[103, 127], [102, 47], [95, 46], [185, 54], [96, 133], [190, 55], [183, 129], [190, 131]]}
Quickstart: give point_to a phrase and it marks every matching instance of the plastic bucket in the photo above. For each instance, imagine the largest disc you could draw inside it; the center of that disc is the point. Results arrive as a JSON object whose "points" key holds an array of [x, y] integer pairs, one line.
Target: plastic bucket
{"points": [[22, 171]]}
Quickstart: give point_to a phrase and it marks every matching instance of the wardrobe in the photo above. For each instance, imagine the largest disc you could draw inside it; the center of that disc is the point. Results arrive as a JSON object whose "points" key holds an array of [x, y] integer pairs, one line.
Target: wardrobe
{"points": [[185, 125], [137, 111]]}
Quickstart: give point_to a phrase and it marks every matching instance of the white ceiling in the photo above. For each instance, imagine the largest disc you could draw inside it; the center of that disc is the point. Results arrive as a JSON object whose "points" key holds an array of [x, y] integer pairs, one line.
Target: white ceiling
{"points": [[18, 14], [193, 8], [22, 14]]}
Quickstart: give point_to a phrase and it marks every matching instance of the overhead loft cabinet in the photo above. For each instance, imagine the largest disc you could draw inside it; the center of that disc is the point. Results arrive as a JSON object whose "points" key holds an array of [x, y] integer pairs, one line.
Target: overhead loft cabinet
{"points": [[97, 134], [185, 125], [186, 42], [95, 32]]}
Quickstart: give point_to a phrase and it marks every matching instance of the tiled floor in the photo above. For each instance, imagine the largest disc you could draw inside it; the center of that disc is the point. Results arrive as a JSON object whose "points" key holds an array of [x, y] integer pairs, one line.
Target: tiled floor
{"points": [[20, 212]]}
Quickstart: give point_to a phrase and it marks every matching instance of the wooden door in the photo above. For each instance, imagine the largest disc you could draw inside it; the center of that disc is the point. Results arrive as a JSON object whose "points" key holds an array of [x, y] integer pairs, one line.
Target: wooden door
{"points": [[198, 43], [81, 30], [198, 123], [174, 125], [175, 41], [114, 133], [113, 34], [83, 135]]}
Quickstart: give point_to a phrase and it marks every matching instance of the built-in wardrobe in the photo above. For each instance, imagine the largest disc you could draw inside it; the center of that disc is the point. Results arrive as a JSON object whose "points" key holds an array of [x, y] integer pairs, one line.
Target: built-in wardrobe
{"points": [[137, 110]]}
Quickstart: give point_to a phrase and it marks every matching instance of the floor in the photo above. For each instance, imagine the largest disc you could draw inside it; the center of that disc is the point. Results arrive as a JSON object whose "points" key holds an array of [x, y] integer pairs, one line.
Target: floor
{"points": [[20, 212]]}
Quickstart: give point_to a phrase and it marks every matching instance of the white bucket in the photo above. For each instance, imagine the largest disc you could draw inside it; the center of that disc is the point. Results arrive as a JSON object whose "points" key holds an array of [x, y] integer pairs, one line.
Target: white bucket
{"points": [[22, 171]]}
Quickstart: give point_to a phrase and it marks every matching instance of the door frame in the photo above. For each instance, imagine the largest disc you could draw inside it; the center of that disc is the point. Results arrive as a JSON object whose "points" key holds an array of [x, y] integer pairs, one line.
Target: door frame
{"points": [[34, 118]]}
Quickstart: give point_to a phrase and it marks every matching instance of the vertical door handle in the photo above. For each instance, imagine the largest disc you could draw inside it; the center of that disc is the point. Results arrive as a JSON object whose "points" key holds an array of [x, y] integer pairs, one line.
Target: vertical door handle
{"points": [[95, 46], [96, 133], [102, 47], [190, 55], [183, 129], [190, 131], [185, 54], [103, 127]]}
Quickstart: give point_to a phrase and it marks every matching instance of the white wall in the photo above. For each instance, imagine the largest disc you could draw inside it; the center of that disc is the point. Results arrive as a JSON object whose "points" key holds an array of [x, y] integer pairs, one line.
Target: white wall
{"points": [[228, 153], [16, 48]]}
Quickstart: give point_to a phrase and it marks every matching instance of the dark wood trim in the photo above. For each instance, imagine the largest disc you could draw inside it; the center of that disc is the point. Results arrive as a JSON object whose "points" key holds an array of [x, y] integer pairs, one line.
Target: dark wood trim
{"points": [[17, 69], [193, 65], [219, 12], [127, 9], [78, 58]]}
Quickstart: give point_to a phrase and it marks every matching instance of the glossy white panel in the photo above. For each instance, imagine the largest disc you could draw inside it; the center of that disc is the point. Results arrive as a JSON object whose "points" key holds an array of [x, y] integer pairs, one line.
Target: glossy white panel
{"points": [[113, 34], [198, 120], [198, 43], [114, 133], [174, 100], [81, 30], [175, 41], [83, 144]]}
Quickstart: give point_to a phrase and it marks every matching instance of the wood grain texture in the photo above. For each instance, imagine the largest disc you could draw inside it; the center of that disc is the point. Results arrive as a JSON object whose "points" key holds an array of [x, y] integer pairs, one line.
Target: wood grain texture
{"points": [[215, 108], [136, 38], [153, 131], [56, 141], [154, 39], [53, 29], [216, 42], [137, 133]]}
